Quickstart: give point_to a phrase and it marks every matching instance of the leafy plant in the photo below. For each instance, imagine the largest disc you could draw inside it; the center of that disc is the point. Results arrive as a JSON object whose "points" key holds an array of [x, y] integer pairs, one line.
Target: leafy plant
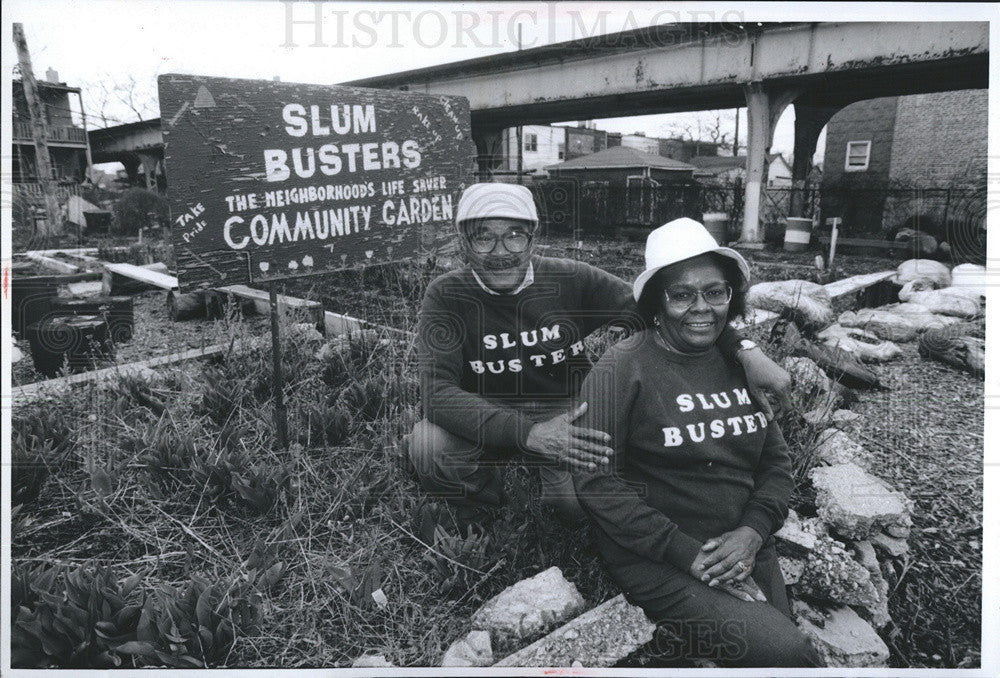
{"points": [[326, 423], [193, 627], [41, 439], [71, 618]]}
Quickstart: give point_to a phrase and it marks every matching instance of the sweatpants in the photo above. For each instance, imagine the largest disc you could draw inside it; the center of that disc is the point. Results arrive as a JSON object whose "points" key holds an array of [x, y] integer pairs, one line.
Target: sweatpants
{"points": [[697, 621]]}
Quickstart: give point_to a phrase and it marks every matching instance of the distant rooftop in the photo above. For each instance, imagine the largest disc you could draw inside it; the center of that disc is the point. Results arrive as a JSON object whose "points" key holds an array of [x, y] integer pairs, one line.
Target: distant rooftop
{"points": [[621, 157]]}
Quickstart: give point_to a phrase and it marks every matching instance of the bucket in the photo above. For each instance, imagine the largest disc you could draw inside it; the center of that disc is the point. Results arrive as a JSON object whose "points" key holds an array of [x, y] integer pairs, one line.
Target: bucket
{"points": [[117, 311], [797, 232], [79, 339], [717, 223]]}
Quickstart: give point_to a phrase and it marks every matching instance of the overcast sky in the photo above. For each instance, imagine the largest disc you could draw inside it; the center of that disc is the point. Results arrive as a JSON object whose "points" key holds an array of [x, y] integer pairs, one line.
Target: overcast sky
{"points": [[101, 43]]}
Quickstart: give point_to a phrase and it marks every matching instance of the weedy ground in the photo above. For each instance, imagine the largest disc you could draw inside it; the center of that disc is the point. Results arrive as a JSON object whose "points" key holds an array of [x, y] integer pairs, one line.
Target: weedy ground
{"points": [[157, 524]]}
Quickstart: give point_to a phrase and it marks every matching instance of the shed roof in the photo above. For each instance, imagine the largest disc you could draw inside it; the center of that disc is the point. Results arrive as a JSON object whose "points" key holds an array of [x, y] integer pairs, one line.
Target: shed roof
{"points": [[621, 157]]}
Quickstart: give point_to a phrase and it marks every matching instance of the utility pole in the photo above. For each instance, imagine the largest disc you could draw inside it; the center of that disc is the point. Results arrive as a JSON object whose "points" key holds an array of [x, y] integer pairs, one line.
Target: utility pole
{"points": [[39, 134], [736, 134]]}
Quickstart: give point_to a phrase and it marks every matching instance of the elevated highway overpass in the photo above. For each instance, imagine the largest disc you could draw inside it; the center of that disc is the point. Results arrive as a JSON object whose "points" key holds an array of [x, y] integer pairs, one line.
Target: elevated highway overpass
{"points": [[817, 67]]}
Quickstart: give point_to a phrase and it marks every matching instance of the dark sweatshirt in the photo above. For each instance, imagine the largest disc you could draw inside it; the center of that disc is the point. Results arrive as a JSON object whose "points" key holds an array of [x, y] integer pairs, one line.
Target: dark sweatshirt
{"points": [[694, 457], [482, 354]]}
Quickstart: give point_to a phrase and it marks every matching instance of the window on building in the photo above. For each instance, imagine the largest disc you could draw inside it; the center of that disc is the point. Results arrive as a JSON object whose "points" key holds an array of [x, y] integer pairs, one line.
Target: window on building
{"points": [[562, 151], [530, 142], [858, 155]]}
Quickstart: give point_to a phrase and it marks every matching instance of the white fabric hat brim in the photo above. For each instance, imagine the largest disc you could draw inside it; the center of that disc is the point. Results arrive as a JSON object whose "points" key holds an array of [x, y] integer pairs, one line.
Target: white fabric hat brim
{"points": [[640, 282]]}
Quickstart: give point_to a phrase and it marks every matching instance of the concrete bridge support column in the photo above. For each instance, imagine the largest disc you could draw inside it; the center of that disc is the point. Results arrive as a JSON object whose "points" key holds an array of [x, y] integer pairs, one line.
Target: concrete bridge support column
{"points": [[763, 110], [809, 121], [488, 150]]}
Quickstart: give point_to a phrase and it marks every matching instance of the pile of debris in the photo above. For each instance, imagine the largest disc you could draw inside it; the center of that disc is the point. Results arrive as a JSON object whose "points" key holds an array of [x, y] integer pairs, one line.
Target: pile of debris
{"points": [[938, 307]]}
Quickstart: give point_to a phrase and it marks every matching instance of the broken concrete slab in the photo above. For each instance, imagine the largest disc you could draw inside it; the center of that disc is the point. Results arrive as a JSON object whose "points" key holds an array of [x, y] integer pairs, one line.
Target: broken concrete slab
{"points": [[473, 650], [844, 640], [530, 606], [601, 637], [893, 547], [808, 380], [856, 504], [842, 417], [797, 536], [791, 569], [833, 446], [831, 574]]}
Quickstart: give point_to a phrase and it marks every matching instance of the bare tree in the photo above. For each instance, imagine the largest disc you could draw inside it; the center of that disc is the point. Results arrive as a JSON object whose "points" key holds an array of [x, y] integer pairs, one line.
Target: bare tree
{"points": [[117, 100], [710, 127]]}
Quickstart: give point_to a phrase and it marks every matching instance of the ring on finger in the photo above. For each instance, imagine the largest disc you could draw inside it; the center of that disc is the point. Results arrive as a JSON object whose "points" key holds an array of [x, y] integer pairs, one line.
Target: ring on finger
{"points": [[743, 566]]}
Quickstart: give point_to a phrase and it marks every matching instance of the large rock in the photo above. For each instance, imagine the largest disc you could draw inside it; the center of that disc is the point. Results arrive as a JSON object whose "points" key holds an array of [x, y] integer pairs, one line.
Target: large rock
{"points": [[808, 380], [832, 575], [922, 317], [473, 650], [864, 345], [833, 446], [884, 325], [971, 278], [923, 269], [530, 606], [807, 302], [946, 301], [599, 638], [841, 637], [856, 504]]}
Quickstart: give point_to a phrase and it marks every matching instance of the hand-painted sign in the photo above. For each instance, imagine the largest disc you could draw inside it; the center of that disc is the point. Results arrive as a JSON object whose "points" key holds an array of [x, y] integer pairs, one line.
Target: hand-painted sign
{"points": [[269, 180]]}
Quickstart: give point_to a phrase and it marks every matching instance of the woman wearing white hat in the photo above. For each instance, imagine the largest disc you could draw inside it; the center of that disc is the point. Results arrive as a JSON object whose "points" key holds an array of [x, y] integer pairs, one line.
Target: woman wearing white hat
{"points": [[701, 479]]}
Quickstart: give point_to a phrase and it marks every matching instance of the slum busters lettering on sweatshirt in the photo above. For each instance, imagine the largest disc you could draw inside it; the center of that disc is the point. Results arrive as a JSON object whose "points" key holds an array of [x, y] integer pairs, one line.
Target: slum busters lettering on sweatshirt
{"points": [[482, 354], [694, 455]]}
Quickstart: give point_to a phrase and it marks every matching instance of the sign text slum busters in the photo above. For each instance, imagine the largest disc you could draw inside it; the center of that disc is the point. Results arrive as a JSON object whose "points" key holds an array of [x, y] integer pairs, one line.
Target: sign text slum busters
{"points": [[270, 180]]}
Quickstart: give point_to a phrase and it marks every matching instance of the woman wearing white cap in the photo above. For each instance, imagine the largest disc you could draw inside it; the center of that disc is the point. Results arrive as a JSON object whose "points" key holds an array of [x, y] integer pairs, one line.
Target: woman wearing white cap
{"points": [[700, 479]]}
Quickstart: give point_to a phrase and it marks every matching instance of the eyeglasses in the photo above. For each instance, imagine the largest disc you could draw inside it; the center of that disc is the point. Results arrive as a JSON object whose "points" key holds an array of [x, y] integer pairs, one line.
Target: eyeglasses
{"points": [[485, 241], [683, 298]]}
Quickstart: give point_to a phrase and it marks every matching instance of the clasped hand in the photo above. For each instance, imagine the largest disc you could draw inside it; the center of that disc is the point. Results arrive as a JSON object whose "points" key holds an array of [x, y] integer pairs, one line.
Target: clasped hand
{"points": [[728, 558], [582, 448]]}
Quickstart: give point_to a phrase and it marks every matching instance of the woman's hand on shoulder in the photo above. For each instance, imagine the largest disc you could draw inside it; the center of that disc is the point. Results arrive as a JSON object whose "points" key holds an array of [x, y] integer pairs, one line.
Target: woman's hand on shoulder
{"points": [[730, 556]]}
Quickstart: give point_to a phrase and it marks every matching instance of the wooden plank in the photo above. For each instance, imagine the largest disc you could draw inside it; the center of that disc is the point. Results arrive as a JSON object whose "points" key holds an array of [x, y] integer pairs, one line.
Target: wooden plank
{"points": [[52, 263], [255, 295], [856, 283], [29, 392], [335, 324], [74, 252], [154, 278]]}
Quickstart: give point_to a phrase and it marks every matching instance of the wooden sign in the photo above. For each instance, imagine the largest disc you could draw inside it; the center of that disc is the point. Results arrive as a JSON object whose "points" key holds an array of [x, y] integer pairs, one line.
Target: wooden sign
{"points": [[270, 180]]}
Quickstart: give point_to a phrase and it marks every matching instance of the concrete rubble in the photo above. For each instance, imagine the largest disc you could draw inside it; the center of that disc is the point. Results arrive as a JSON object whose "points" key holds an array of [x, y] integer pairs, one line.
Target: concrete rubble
{"points": [[833, 446], [600, 637], [884, 325], [809, 302], [894, 547], [831, 575], [530, 606], [842, 638], [856, 504], [371, 661], [473, 650]]}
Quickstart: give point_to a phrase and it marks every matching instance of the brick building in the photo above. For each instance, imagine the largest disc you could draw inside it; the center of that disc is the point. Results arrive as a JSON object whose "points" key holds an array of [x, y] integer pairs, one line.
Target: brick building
{"points": [[915, 161]]}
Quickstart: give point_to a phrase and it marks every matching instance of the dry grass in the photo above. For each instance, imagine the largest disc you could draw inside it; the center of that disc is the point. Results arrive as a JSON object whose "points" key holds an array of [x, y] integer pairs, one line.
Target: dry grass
{"points": [[343, 523]]}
